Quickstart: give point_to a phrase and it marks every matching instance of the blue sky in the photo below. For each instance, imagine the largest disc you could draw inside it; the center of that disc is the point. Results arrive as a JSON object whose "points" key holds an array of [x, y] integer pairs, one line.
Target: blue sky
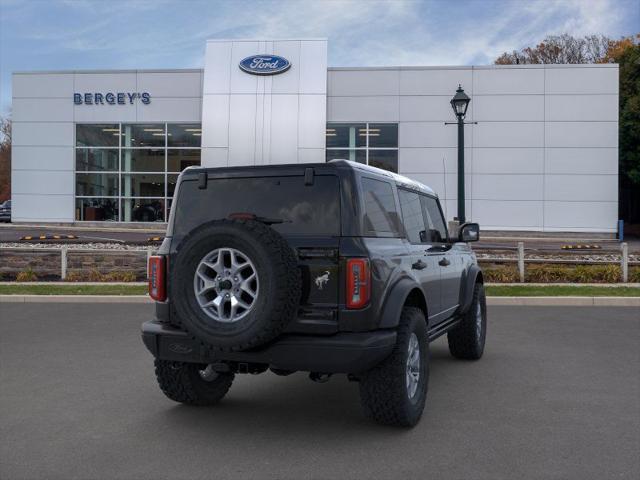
{"points": [[120, 34]]}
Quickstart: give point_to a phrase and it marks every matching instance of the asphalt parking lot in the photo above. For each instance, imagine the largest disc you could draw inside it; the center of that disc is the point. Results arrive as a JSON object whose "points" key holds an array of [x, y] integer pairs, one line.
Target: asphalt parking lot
{"points": [[557, 395]]}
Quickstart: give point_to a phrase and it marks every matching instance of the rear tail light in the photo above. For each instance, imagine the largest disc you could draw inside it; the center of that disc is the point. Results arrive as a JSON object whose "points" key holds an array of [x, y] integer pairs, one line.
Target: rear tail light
{"points": [[157, 274], [358, 282]]}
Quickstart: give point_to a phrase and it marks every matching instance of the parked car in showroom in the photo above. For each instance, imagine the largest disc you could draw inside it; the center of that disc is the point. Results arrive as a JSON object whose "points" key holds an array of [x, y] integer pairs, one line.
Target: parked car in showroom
{"points": [[323, 268], [5, 211]]}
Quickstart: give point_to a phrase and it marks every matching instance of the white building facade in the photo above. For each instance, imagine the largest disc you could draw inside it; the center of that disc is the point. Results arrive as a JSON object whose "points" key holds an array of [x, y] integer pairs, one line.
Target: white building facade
{"points": [[108, 145]]}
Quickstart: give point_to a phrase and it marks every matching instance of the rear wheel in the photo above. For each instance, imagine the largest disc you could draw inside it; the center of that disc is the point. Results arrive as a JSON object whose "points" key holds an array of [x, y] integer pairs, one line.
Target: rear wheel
{"points": [[466, 340], [191, 383], [394, 392]]}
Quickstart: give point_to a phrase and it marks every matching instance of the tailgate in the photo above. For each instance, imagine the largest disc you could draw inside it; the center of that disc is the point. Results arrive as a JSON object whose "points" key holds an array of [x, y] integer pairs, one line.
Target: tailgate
{"points": [[320, 275]]}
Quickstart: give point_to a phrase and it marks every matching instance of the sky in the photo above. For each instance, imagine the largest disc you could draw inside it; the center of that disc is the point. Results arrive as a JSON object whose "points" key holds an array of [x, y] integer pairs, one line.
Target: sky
{"points": [[129, 34]]}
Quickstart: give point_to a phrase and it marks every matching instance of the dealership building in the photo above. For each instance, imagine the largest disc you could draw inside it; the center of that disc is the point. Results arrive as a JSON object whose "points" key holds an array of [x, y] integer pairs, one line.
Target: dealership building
{"points": [[541, 140]]}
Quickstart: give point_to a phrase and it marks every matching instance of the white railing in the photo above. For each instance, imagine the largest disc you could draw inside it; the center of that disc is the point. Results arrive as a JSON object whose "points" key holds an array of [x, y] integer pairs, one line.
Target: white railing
{"points": [[64, 254], [520, 259]]}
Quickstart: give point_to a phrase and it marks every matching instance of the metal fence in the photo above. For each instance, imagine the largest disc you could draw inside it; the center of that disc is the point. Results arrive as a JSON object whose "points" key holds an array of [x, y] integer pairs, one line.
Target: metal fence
{"points": [[520, 259], [64, 252], [623, 260]]}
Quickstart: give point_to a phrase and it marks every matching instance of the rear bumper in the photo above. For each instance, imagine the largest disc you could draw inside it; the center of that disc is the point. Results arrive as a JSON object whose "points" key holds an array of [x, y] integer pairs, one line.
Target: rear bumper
{"points": [[339, 353]]}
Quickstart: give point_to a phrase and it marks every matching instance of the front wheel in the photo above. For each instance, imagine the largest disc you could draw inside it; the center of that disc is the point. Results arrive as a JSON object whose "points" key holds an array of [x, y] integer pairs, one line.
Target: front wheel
{"points": [[394, 392], [466, 340], [191, 383]]}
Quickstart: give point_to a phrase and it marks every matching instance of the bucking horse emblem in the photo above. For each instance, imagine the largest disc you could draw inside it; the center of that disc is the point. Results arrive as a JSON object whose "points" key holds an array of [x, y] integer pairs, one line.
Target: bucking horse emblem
{"points": [[322, 280]]}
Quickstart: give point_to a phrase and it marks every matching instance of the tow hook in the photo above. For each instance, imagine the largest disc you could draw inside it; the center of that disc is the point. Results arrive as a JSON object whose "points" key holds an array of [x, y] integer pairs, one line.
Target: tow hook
{"points": [[320, 377]]}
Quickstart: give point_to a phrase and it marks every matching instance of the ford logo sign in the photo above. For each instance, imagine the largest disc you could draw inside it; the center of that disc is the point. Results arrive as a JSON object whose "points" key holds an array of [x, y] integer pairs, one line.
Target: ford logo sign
{"points": [[265, 64]]}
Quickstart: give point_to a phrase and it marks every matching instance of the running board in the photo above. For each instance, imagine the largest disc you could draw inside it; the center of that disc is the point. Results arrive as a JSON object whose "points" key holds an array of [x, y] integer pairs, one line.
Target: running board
{"points": [[442, 328]]}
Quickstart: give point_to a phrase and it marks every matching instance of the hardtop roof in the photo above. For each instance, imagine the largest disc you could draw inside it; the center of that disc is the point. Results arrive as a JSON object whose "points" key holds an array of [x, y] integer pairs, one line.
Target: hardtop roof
{"points": [[282, 168]]}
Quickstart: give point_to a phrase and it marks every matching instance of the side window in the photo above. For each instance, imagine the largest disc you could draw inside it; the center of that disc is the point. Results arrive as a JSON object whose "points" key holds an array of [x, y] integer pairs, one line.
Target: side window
{"points": [[437, 228], [412, 216], [380, 215]]}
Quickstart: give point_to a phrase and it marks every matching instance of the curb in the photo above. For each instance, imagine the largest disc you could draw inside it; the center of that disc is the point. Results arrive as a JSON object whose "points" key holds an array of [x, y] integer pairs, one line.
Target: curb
{"points": [[84, 228], [566, 301], [76, 284], [557, 284], [487, 284], [494, 301], [75, 299]]}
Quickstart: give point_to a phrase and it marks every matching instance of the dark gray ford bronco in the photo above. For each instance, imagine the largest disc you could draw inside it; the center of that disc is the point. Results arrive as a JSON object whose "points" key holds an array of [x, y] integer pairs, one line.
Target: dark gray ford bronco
{"points": [[325, 268]]}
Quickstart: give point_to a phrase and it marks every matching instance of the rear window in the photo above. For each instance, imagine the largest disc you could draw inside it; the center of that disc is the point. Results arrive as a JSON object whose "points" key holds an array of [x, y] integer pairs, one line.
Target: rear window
{"points": [[380, 214], [303, 209]]}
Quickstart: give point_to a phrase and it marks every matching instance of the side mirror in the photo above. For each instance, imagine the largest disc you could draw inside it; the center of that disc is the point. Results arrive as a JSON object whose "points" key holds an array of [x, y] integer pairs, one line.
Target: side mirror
{"points": [[469, 232]]}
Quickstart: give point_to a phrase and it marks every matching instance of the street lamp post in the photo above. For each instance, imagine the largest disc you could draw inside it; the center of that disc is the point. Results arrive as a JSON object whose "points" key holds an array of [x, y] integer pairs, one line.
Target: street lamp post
{"points": [[460, 103]]}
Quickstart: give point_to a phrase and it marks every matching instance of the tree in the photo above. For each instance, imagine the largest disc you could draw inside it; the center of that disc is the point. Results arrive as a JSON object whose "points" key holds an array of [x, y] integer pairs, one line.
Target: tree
{"points": [[560, 49], [626, 53], [5, 159]]}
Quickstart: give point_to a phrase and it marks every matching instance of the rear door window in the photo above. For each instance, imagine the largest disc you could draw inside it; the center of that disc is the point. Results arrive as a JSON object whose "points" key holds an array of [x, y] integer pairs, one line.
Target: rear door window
{"points": [[412, 216], [295, 208], [380, 213], [437, 231]]}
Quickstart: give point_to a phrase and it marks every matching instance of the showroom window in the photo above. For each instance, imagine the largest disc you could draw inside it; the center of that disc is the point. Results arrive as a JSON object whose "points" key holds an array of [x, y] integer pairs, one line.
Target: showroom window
{"points": [[128, 172], [373, 144]]}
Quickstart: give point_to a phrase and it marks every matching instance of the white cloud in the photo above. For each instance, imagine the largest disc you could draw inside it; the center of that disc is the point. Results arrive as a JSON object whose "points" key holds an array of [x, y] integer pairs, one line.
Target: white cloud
{"points": [[594, 16], [524, 23]]}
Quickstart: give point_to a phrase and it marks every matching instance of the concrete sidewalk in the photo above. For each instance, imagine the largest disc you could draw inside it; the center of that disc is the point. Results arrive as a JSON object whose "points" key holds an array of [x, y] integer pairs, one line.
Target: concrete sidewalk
{"points": [[539, 284], [137, 227], [78, 284]]}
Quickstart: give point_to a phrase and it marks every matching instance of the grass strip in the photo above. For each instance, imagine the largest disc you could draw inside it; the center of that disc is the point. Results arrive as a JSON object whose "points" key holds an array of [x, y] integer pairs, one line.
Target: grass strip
{"points": [[54, 289], [560, 291]]}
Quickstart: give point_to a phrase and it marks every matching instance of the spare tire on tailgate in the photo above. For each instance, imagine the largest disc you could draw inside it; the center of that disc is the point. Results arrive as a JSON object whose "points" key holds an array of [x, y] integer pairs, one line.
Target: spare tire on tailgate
{"points": [[235, 284]]}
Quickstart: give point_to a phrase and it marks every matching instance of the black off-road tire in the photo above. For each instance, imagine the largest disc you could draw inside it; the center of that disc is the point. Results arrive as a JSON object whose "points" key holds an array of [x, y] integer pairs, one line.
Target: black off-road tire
{"points": [[280, 285], [182, 383], [466, 340], [383, 390]]}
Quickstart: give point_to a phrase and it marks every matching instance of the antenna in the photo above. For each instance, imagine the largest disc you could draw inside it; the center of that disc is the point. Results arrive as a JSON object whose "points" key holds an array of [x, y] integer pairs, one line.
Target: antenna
{"points": [[444, 169]]}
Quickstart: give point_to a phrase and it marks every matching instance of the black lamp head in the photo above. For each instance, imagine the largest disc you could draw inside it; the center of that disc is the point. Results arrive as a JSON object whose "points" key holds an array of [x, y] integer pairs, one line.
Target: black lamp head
{"points": [[460, 102]]}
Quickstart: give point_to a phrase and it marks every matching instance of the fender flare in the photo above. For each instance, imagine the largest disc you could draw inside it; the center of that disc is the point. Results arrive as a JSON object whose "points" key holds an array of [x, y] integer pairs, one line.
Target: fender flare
{"points": [[396, 299], [473, 275]]}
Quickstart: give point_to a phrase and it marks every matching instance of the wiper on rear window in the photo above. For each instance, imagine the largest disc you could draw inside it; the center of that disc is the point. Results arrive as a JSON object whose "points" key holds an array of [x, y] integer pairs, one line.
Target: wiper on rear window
{"points": [[252, 216]]}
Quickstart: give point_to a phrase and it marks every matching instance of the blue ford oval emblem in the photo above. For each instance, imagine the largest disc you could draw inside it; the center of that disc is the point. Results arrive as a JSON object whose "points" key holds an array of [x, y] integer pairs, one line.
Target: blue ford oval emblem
{"points": [[265, 64]]}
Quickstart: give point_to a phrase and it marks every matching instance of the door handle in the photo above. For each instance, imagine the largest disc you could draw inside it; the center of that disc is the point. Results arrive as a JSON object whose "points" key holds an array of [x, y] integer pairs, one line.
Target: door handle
{"points": [[419, 265], [444, 262]]}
